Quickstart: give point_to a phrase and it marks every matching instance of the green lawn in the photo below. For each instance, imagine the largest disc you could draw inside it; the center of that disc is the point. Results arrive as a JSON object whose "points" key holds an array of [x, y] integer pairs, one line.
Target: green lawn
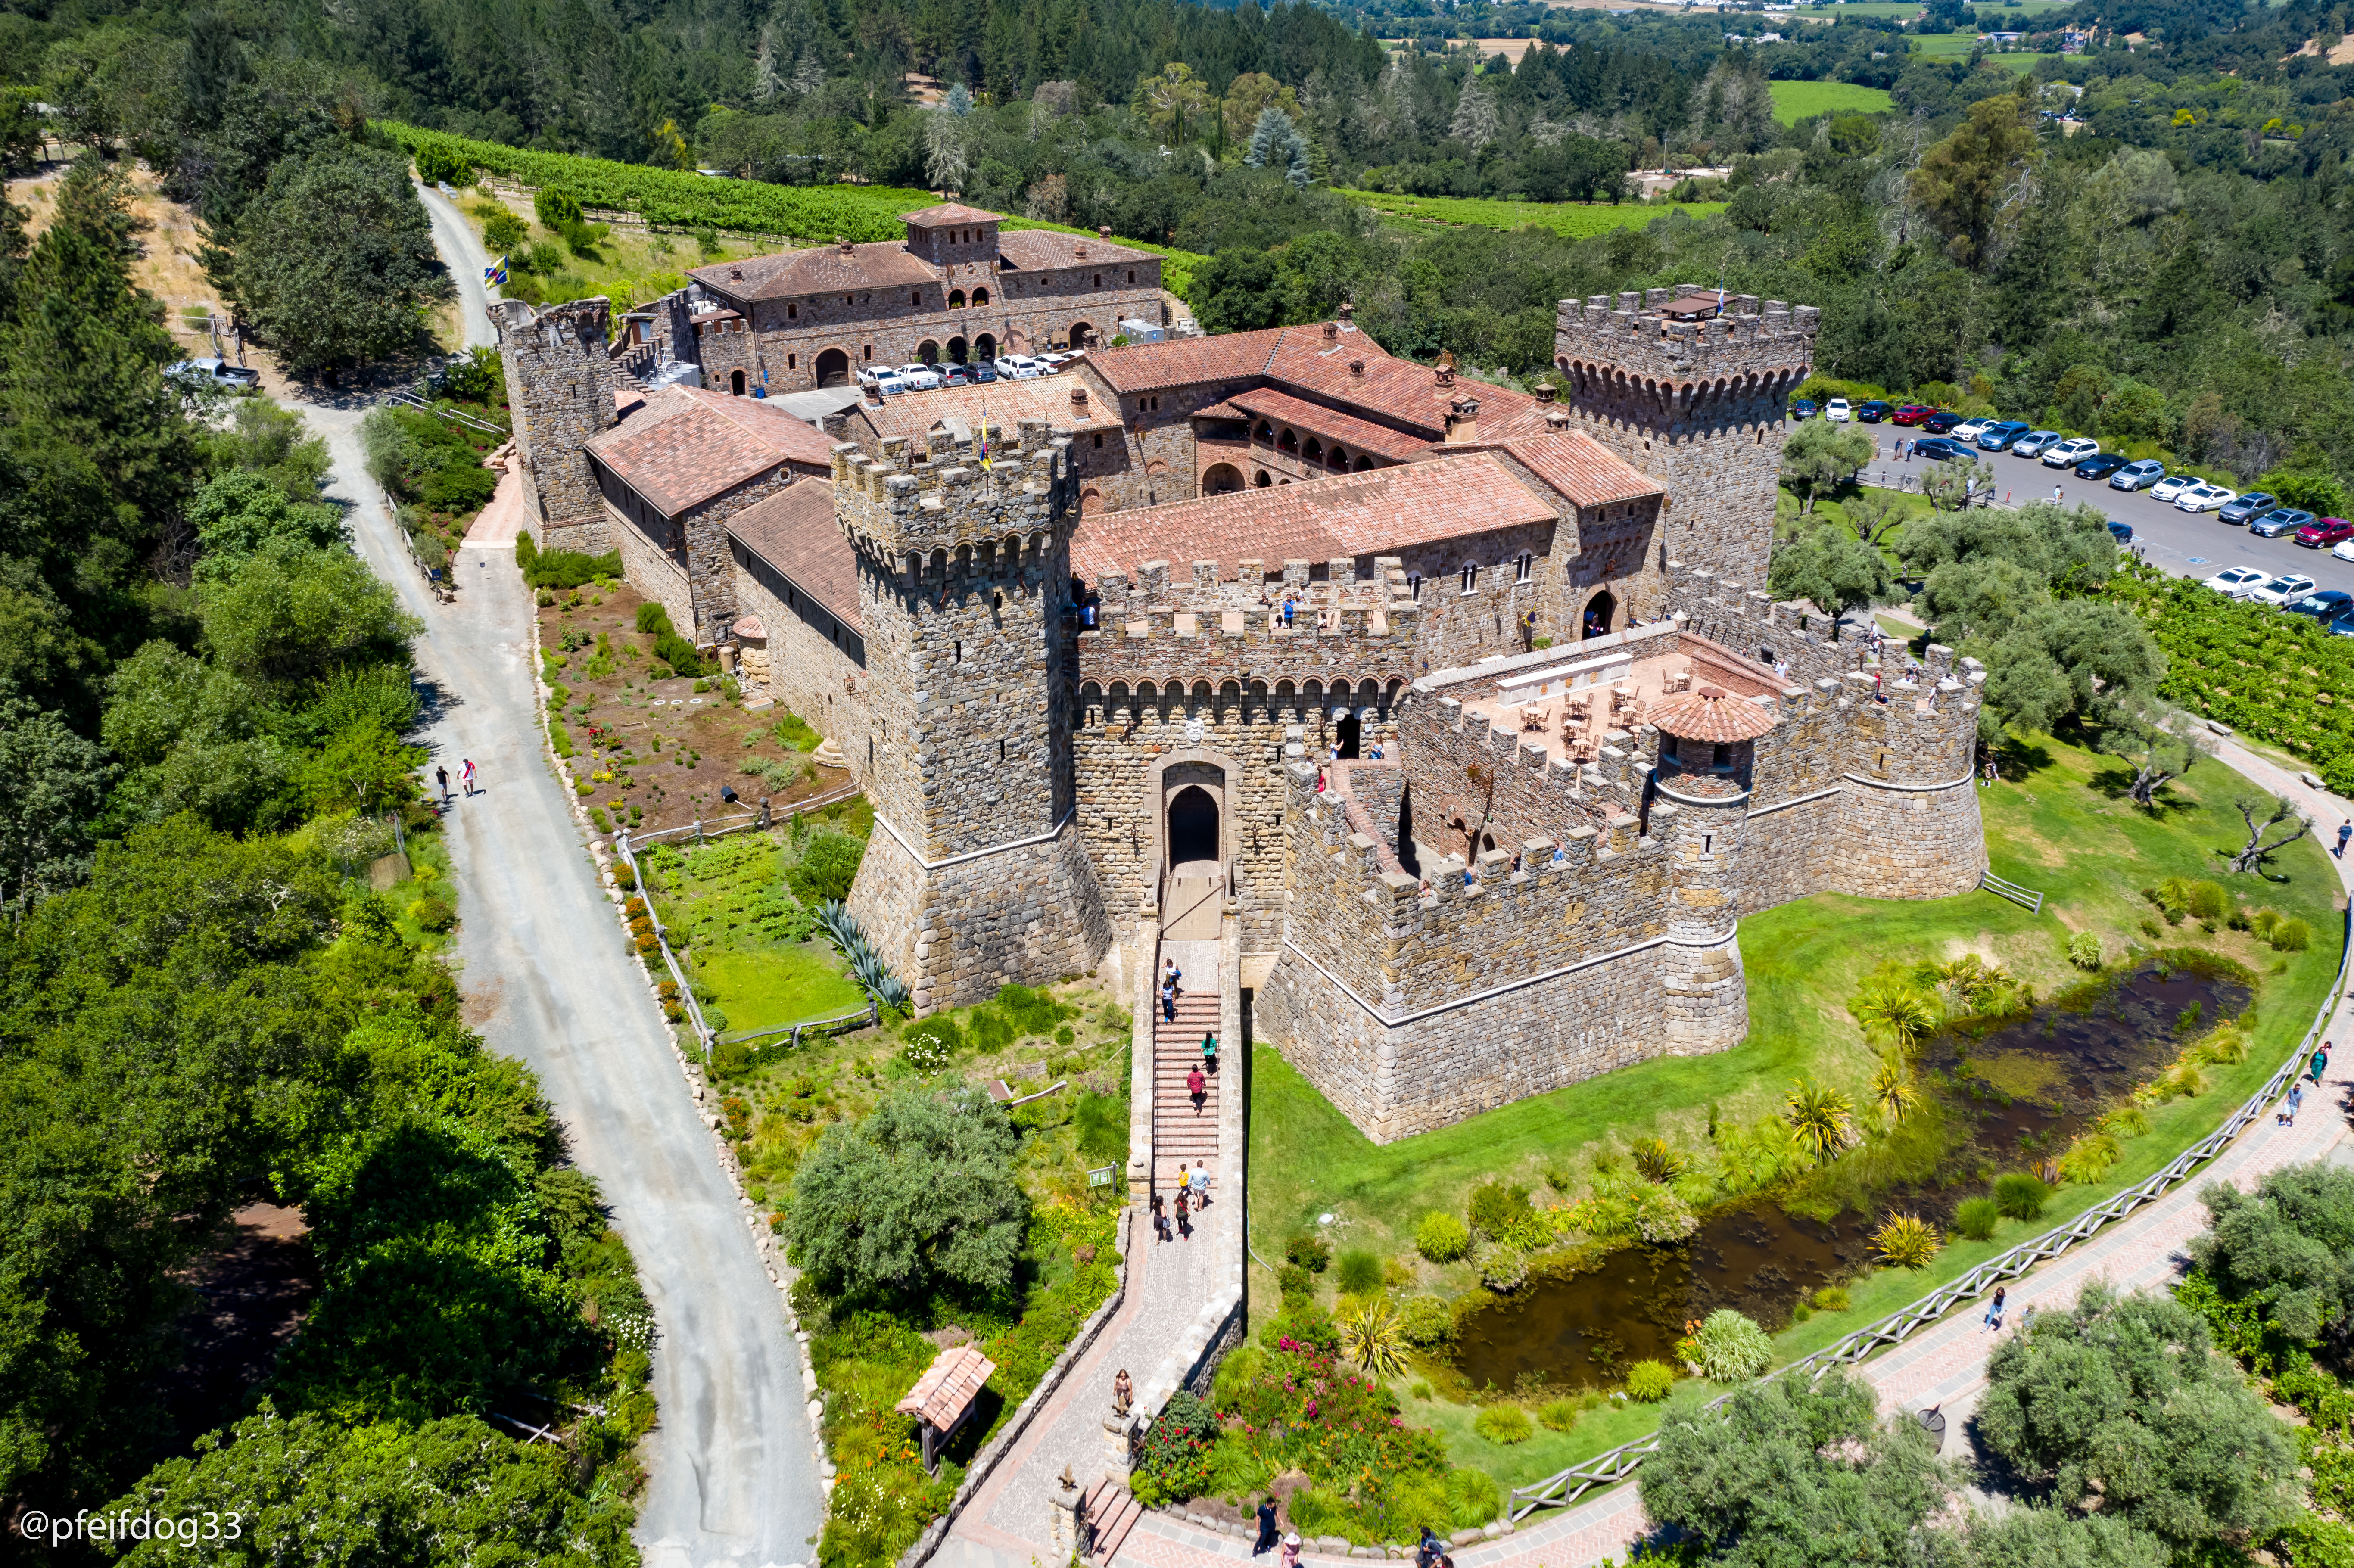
{"points": [[1796, 100], [788, 984], [2059, 824], [1576, 220]]}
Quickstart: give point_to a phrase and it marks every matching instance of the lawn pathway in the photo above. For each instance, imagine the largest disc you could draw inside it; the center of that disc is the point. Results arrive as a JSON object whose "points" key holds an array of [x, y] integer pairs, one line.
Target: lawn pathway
{"points": [[1945, 1365]]}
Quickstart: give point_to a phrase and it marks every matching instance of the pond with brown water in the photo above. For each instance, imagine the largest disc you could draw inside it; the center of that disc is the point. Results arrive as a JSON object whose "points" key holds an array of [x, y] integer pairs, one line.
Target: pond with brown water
{"points": [[2032, 1083]]}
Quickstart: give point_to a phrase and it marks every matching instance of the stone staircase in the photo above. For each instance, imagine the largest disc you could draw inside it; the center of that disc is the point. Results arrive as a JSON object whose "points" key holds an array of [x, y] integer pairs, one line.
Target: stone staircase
{"points": [[1180, 1135], [1113, 1512]]}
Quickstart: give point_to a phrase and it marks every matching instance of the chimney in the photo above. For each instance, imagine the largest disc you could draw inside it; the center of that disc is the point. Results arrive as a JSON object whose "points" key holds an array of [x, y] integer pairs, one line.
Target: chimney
{"points": [[1463, 420], [1080, 251], [1348, 312], [848, 249], [735, 274], [1078, 402], [1557, 419], [1102, 232], [1357, 369], [1331, 331], [1444, 373], [1547, 391], [874, 393]]}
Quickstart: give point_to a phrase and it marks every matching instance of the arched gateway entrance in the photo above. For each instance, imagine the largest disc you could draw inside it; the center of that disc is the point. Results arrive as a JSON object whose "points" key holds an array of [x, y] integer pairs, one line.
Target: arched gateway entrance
{"points": [[1193, 872]]}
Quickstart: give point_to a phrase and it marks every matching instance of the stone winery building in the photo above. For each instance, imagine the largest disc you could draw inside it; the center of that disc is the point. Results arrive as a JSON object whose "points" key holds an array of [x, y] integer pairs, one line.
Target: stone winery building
{"points": [[1460, 705]]}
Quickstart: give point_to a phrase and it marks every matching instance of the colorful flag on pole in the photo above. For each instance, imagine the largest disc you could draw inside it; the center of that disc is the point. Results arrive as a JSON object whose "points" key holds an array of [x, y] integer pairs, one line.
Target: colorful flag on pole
{"points": [[496, 272], [984, 437]]}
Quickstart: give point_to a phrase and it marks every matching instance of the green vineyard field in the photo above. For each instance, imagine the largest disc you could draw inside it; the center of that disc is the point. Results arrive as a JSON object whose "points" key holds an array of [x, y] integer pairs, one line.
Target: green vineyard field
{"points": [[1574, 220]]}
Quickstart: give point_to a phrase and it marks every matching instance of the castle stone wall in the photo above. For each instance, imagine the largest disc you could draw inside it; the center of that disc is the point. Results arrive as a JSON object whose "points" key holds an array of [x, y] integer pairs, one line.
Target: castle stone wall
{"points": [[809, 661], [561, 386]]}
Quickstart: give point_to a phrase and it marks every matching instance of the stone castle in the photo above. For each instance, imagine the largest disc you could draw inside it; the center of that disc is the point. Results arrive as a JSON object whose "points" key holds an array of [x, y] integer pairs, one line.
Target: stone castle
{"points": [[1457, 709]]}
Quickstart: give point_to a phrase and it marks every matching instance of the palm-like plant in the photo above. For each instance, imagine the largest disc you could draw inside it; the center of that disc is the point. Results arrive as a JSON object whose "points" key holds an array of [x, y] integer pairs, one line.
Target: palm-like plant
{"points": [[1898, 1012], [1820, 1118], [1892, 1089], [1907, 1241], [1373, 1335], [1658, 1160]]}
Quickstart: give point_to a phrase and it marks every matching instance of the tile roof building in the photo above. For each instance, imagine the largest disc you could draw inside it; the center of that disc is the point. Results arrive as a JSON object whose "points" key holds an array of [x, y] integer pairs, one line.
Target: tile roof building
{"points": [[1463, 693]]}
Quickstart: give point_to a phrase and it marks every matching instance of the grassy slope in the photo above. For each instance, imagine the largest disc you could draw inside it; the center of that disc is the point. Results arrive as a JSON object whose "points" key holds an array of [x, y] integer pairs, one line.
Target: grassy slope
{"points": [[1577, 220], [763, 988], [2055, 825], [1796, 100]]}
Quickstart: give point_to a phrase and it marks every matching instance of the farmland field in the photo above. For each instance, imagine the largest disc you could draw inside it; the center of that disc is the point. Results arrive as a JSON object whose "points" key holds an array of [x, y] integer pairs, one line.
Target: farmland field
{"points": [[1895, 8], [1573, 220], [1796, 100]]}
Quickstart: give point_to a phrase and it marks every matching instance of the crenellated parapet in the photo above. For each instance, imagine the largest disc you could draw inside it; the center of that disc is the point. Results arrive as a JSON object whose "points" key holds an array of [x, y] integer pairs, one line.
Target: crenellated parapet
{"points": [[1628, 343], [954, 510]]}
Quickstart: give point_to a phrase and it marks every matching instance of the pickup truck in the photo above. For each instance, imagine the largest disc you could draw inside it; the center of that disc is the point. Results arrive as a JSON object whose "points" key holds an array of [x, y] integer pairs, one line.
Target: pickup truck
{"points": [[215, 372]]}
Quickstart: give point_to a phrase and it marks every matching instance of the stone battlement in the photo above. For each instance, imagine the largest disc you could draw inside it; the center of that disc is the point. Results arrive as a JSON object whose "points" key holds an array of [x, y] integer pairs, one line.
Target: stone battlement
{"points": [[1629, 338], [951, 505]]}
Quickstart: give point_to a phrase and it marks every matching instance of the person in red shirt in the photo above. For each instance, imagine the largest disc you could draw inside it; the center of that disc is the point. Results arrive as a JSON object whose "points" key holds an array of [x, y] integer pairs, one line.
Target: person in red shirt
{"points": [[1198, 1086]]}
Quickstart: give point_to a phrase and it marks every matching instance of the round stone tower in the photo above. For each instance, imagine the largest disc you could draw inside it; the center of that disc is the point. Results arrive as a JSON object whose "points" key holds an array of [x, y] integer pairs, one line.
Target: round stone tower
{"points": [[1707, 745]]}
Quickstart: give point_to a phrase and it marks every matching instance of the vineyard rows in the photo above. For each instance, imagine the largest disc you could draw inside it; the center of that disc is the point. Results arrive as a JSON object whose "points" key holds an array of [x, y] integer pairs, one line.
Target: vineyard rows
{"points": [[672, 198], [2275, 678]]}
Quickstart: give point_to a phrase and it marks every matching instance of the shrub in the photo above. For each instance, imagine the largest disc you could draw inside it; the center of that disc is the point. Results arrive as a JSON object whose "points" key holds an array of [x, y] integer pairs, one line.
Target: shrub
{"points": [[827, 866], [1976, 1218], [625, 875], [2291, 936], [2089, 1158], [1102, 1125], [1308, 1251], [1427, 1321], [1504, 1424], [569, 568], [1302, 1323], [930, 1045], [2085, 950], [2208, 901], [1907, 1241], [555, 208], [1732, 1349], [1360, 1273], [1560, 1414], [433, 913], [1372, 1336], [1496, 1206], [1296, 1283], [1501, 1265], [1173, 1461], [1441, 1237], [1830, 1298], [2020, 1196], [1650, 1382]]}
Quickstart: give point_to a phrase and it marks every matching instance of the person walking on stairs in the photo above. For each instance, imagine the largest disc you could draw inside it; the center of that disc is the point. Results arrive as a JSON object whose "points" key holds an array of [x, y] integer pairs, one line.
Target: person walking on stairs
{"points": [[1210, 1052], [1198, 1087], [1201, 1186], [1185, 1223], [1160, 1219], [1266, 1542]]}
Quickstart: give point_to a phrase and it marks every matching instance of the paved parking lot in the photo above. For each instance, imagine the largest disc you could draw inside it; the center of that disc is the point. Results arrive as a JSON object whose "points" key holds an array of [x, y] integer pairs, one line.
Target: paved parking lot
{"points": [[2172, 541]]}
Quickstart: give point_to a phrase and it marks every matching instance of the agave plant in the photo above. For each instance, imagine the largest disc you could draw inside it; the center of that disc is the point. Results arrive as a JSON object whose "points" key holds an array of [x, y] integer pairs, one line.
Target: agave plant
{"points": [[892, 993], [1373, 1336], [1907, 1241], [1892, 1089], [1820, 1118]]}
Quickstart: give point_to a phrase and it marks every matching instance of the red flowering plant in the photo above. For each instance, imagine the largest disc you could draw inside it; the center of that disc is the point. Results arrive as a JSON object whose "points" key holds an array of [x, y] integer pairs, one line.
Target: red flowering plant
{"points": [[1297, 1406], [1172, 1463]]}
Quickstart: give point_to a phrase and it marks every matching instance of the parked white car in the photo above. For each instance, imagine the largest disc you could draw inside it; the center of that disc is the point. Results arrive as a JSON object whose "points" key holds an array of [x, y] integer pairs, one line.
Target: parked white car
{"points": [[1968, 431], [2236, 582], [1018, 367], [1837, 412], [2172, 486], [2343, 550], [2280, 590], [920, 378], [2070, 453], [2204, 497]]}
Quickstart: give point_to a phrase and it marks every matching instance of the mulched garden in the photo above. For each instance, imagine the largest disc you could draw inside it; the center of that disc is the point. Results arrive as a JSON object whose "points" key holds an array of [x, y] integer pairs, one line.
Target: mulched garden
{"points": [[665, 748]]}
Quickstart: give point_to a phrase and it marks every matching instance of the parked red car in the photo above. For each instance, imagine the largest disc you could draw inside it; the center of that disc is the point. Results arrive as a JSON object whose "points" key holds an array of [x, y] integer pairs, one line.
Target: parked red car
{"points": [[1911, 414], [2320, 535]]}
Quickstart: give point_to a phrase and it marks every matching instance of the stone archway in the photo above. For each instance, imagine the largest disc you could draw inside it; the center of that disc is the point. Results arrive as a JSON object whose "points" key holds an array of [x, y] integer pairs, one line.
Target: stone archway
{"points": [[1345, 734], [735, 383], [1600, 611], [1193, 827], [833, 368], [1223, 477]]}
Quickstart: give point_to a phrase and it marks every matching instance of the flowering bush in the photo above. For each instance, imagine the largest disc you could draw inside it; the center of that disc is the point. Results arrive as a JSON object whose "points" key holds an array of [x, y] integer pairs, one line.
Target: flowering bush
{"points": [[1172, 1463]]}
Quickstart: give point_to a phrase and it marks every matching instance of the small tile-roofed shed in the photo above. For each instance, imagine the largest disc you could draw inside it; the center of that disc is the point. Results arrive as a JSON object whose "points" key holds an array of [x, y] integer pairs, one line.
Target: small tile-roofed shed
{"points": [[688, 444], [943, 1397], [794, 531]]}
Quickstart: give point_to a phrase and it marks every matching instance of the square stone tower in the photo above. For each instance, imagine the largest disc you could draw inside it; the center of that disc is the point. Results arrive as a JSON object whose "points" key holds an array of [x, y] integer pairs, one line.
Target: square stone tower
{"points": [[560, 389], [1694, 394], [975, 875]]}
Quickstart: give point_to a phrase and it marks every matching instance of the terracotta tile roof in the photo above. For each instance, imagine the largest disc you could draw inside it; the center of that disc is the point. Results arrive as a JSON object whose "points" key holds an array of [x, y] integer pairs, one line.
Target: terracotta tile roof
{"points": [[1035, 250], [917, 414], [794, 531], [1189, 361], [826, 270], [946, 213], [1376, 513], [1582, 469], [948, 1387], [688, 444], [1219, 411], [1355, 434], [1693, 307], [1709, 713]]}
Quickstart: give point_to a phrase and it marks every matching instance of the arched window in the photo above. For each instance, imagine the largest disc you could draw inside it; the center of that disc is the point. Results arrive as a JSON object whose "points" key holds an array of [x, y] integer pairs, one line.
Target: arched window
{"points": [[914, 296], [1337, 460], [928, 351], [1523, 568], [735, 383], [1313, 452], [1288, 441], [1363, 462], [1264, 434], [980, 296], [1413, 585], [1470, 578], [956, 299], [1261, 479]]}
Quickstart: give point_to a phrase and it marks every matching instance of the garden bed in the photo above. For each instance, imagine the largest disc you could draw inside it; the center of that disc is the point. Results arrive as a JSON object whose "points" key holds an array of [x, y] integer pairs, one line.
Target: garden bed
{"points": [[2061, 823], [654, 747]]}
